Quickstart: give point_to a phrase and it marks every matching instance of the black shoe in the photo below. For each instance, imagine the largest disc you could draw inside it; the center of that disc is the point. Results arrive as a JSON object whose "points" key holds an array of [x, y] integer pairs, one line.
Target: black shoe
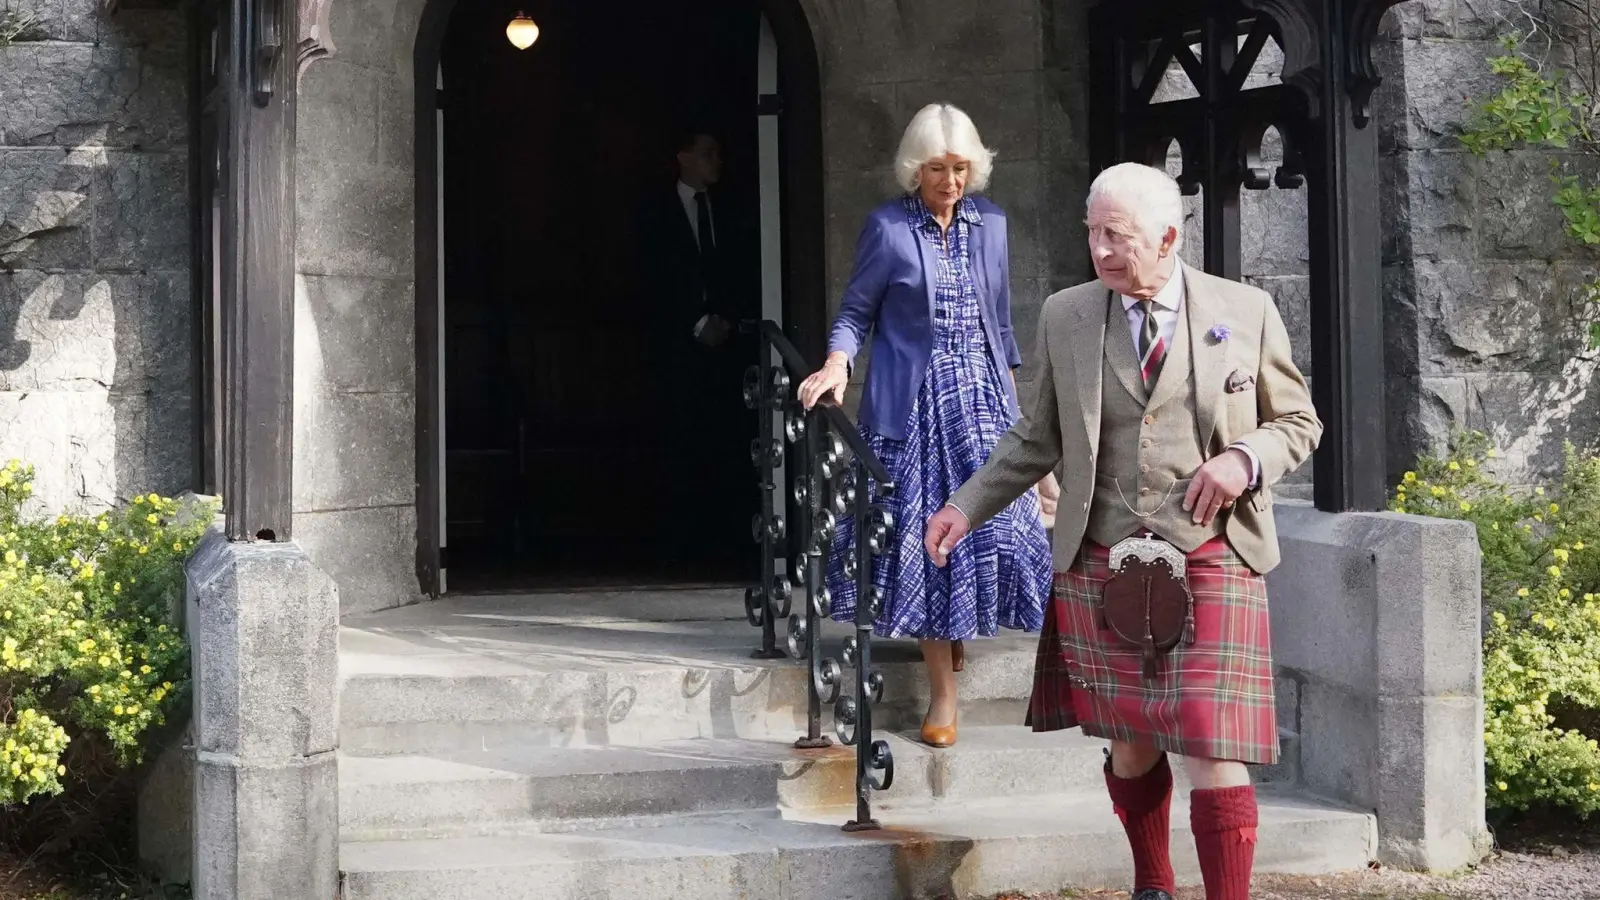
{"points": [[1151, 894]]}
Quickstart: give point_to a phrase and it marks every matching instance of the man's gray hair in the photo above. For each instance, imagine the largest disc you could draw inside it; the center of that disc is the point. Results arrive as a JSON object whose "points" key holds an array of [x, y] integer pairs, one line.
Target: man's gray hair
{"points": [[1149, 194], [938, 129]]}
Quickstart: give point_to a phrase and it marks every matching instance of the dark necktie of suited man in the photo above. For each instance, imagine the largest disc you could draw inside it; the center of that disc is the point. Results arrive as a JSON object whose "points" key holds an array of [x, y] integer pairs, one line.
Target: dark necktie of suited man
{"points": [[1152, 349], [708, 241]]}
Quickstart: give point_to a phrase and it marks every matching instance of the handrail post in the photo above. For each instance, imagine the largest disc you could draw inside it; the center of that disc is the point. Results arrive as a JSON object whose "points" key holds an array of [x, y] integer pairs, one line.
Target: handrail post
{"points": [[809, 495], [865, 594], [872, 533], [833, 477], [765, 385]]}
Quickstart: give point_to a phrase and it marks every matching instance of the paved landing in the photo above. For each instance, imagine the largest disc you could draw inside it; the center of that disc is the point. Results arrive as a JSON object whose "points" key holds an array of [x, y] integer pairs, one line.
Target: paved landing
{"points": [[521, 633]]}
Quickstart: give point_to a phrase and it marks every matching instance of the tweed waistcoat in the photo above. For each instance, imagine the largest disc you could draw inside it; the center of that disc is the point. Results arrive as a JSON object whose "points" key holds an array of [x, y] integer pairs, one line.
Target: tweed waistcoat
{"points": [[1149, 443]]}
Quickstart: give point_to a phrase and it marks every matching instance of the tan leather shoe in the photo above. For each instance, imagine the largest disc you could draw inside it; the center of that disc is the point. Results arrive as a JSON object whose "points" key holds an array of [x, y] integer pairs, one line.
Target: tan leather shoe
{"points": [[938, 735]]}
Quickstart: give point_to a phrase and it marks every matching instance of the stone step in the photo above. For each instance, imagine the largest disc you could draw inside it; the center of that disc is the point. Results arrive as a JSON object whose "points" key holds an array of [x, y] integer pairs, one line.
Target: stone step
{"points": [[1043, 844], [484, 674], [545, 788], [405, 796]]}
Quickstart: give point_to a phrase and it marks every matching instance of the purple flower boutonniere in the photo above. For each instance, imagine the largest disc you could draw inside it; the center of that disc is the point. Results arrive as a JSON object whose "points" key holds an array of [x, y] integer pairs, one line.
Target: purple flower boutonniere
{"points": [[1219, 333]]}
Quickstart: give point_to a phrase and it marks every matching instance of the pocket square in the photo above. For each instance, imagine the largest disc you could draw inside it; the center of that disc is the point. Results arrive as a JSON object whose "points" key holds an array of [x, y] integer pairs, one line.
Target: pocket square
{"points": [[1240, 381]]}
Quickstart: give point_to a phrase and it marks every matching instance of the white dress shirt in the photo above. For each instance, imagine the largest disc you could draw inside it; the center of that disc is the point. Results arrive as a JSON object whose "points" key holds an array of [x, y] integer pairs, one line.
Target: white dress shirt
{"points": [[686, 195], [1168, 303], [1167, 306]]}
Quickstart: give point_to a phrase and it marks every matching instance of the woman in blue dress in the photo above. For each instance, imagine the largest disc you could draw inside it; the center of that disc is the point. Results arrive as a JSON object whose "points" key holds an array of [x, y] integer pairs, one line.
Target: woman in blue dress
{"points": [[931, 286]]}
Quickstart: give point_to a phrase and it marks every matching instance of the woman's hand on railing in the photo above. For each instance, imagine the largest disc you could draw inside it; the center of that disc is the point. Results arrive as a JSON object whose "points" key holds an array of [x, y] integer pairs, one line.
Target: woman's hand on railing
{"points": [[830, 379]]}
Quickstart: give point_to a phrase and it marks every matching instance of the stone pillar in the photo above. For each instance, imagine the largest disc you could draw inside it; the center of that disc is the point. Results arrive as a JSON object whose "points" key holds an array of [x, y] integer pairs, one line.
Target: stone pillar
{"points": [[1376, 631], [263, 625]]}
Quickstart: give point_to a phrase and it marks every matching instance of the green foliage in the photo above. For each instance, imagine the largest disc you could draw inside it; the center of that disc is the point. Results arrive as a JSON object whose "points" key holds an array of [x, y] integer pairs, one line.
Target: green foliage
{"points": [[1580, 203], [1541, 637], [1533, 109], [87, 642]]}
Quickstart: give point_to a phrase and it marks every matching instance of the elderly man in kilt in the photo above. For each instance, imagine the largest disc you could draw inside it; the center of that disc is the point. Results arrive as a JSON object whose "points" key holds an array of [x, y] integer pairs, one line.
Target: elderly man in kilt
{"points": [[1169, 400]]}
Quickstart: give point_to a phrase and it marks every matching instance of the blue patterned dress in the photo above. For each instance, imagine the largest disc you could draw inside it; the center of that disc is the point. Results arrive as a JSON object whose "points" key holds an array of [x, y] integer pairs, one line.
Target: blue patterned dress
{"points": [[999, 575]]}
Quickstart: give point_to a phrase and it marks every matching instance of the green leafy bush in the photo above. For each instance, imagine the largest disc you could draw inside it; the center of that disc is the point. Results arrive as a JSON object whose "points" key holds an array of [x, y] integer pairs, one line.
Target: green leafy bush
{"points": [[1538, 109], [88, 643], [1541, 636]]}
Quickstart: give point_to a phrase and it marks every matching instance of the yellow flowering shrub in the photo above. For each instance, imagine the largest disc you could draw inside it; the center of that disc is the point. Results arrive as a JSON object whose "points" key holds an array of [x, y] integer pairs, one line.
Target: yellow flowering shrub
{"points": [[1541, 636], [87, 639]]}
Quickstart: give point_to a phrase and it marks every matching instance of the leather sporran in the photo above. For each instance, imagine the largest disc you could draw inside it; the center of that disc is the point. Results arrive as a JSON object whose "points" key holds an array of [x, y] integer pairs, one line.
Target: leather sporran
{"points": [[1146, 602]]}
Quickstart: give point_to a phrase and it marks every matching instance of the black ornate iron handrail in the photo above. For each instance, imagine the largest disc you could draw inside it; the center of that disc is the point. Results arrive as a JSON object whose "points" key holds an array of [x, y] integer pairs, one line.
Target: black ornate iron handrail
{"points": [[832, 478]]}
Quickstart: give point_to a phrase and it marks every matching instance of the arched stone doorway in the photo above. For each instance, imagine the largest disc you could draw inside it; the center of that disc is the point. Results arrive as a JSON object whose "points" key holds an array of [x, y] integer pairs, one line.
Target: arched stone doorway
{"points": [[361, 502], [367, 453]]}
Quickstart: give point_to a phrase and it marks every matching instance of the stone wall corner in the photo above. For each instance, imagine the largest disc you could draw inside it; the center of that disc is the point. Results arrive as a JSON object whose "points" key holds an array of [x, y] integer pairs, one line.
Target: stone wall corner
{"points": [[1376, 618]]}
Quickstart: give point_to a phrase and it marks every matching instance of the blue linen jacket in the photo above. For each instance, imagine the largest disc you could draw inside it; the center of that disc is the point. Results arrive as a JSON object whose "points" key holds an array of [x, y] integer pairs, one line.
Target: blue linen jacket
{"points": [[890, 296]]}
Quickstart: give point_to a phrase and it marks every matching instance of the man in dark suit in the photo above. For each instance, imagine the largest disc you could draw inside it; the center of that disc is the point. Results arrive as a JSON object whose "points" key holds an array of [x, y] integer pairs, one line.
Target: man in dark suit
{"points": [[687, 282], [694, 291]]}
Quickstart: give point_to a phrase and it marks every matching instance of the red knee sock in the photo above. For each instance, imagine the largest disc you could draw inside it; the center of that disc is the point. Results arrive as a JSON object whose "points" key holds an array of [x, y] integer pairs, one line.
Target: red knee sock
{"points": [[1144, 805], [1224, 823]]}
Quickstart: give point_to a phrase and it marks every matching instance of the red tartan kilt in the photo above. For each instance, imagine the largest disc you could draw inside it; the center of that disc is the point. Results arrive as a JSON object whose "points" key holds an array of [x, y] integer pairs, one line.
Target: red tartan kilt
{"points": [[1212, 700]]}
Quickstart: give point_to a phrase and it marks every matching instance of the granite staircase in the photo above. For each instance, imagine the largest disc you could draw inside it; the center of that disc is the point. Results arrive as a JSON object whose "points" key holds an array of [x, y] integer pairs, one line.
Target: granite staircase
{"points": [[625, 745]]}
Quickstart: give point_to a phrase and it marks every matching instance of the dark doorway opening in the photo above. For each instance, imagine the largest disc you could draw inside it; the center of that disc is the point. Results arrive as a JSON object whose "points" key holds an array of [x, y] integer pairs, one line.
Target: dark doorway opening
{"points": [[588, 438]]}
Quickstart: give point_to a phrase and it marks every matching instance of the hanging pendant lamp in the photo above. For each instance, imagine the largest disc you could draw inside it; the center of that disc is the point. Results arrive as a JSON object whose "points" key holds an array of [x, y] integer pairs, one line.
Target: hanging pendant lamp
{"points": [[522, 32]]}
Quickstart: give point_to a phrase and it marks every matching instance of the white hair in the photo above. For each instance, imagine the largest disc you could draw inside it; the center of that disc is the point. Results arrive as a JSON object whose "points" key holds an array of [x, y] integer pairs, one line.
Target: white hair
{"points": [[936, 130], [1149, 194]]}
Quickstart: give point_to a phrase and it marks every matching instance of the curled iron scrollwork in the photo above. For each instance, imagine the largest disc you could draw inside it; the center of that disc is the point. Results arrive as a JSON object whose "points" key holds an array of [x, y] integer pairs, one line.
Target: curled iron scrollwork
{"points": [[829, 484]]}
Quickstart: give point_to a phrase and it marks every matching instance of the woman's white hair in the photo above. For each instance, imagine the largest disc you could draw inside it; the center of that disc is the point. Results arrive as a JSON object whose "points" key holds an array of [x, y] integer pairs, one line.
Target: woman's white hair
{"points": [[1150, 195], [938, 129]]}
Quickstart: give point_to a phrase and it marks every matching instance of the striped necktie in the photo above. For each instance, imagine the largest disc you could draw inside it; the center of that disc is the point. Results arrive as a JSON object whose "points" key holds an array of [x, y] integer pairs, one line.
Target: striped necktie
{"points": [[1152, 348]]}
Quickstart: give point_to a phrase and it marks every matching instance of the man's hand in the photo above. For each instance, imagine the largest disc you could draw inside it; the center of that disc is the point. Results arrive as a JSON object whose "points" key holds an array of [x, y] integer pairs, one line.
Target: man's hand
{"points": [[1217, 485], [945, 529], [1049, 494]]}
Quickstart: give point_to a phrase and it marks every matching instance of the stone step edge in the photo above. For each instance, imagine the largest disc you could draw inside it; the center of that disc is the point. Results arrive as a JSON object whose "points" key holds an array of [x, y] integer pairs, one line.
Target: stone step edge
{"points": [[981, 661], [885, 808], [677, 778], [776, 752], [444, 793], [780, 859]]}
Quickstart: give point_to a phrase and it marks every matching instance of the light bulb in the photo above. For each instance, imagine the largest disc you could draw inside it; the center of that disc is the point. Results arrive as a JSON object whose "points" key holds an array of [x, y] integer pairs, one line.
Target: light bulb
{"points": [[522, 32]]}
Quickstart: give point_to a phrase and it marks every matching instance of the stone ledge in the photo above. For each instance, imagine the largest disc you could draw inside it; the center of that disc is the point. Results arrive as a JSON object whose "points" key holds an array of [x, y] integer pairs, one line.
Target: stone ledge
{"points": [[1409, 601], [1376, 630], [263, 628]]}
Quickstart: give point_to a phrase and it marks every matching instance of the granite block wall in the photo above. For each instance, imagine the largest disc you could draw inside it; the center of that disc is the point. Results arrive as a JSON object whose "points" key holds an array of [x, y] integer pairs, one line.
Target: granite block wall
{"points": [[96, 388], [1479, 278]]}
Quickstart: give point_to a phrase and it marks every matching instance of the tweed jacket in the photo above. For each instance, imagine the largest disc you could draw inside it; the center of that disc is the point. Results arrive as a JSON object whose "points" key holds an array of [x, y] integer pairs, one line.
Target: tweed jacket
{"points": [[1060, 424]]}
